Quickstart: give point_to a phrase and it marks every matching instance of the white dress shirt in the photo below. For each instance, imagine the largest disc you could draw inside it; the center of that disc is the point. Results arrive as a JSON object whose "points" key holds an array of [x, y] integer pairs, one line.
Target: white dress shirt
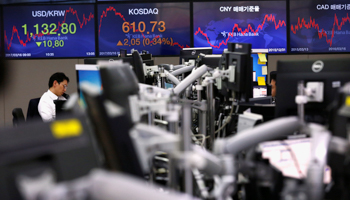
{"points": [[46, 107]]}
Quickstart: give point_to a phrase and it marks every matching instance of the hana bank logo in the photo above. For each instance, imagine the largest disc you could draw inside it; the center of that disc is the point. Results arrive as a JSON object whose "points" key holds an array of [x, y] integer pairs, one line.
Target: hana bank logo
{"points": [[317, 66]]}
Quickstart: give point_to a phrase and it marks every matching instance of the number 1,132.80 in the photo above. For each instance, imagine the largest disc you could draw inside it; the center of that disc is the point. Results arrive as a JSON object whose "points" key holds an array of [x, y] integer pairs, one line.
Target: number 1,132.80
{"points": [[52, 29]]}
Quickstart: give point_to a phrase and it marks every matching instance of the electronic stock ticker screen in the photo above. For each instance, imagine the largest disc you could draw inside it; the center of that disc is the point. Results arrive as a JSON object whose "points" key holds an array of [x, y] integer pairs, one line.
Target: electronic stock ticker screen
{"points": [[319, 26], [49, 31], [260, 23], [159, 28]]}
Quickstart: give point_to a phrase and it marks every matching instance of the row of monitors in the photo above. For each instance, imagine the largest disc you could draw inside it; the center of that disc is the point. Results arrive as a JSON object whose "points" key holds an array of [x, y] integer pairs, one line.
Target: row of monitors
{"points": [[163, 29], [89, 71]]}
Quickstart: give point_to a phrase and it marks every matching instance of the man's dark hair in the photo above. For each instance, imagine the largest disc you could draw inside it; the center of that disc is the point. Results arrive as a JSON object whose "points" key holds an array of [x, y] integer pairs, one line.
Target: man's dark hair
{"points": [[59, 77], [273, 75]]}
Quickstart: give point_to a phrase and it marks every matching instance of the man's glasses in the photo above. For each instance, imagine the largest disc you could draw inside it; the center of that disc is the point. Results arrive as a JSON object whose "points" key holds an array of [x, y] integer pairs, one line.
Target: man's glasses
{"points": [[65, 86]]}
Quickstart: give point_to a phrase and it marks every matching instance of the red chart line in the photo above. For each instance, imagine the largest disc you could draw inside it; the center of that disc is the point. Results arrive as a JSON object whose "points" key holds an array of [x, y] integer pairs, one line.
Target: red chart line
{"points": [[269, 18], [312, 24], [28, 39], [112, 9]]}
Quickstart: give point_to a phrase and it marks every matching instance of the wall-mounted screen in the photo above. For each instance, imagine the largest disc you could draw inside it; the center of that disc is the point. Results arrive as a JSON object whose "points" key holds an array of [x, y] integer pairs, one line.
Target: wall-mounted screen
{"points": [[260, 23], [319, 26], [159, 28], [49, 31]]}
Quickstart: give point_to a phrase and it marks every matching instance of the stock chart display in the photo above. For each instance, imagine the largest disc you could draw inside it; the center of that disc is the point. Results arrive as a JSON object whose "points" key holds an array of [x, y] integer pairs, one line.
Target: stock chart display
{"points": [[261, 23], [319, 26], [49, 31], [159, 28]]}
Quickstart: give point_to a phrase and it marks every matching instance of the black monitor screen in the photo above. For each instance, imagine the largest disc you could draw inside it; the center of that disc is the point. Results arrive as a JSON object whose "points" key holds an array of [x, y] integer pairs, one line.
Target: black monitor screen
{"points": [[319, 26], [49, 31], [333, 73], [123, 53], [187, 54], [238, 57], [62, 148], [260, 23], [159, 28], [94, 61], [212, 61]]}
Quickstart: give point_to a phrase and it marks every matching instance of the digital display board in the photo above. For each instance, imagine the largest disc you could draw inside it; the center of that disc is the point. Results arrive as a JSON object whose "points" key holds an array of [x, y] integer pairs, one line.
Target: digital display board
{"points": [[49, 31], [319, 26], [159, 28], [260, 23]]}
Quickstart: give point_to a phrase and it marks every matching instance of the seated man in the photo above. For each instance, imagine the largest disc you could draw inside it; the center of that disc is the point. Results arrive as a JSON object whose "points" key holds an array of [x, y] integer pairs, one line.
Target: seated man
{"points": [[58, 84], [273, 76]]}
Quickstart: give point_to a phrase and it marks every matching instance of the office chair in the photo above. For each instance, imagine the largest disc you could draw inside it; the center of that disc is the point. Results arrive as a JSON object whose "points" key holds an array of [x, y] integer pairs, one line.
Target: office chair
{"points": [[33, 112], [18, 117], [138, 67]]}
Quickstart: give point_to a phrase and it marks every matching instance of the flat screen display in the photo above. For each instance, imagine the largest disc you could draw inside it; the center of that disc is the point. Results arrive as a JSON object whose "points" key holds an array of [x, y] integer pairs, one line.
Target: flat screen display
{"points": [[159, 28], [260, 23], [259, 91], [49, 31], [319, 26], [90, 74]]}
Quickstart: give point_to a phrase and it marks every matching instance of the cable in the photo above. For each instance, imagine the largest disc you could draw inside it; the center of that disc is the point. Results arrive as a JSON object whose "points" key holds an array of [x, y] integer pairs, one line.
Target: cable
{"points": [[203, 138], [228, 119]]}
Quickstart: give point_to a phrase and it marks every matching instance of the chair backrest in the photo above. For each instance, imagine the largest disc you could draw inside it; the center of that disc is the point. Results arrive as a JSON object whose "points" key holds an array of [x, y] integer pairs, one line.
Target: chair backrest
{"points": [[33, 112], [18, 116], [138, 67]]}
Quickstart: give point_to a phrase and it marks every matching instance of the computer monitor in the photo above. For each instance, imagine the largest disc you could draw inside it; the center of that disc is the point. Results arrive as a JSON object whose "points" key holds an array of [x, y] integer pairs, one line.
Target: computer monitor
{"points": [[138, 66], [63, 149], [93, 61], [59, 107], [134, 60], [239, 55], [187, 54], [212, 61], [123, 53], [87, 73], [119, 82], [146, 56], [259, 91], [112, 129], [333, 73]]}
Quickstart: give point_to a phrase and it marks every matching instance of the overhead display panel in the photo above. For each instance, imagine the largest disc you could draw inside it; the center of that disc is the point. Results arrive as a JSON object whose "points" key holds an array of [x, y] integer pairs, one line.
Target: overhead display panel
{"points": [[260, 23], [49, 31], [159, 28], [319, 26]]}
